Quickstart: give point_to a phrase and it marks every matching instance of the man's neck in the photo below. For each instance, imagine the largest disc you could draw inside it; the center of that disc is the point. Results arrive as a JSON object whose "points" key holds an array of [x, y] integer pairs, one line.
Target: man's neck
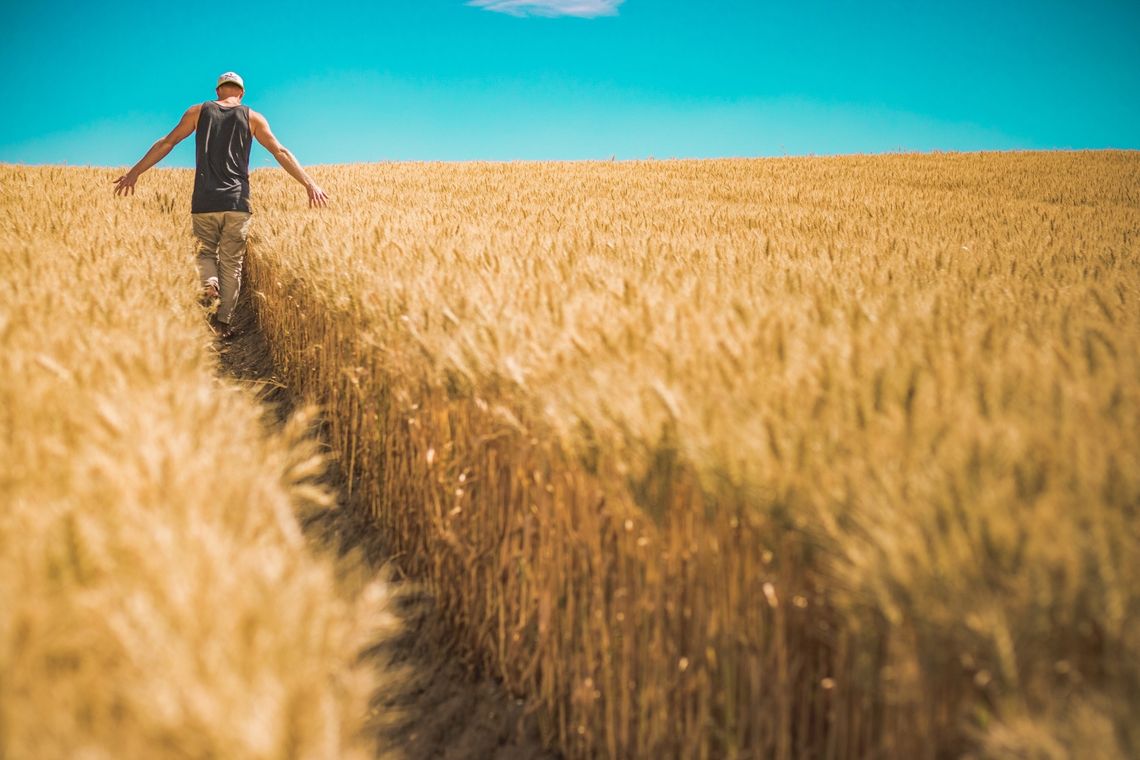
{"points": [[230, 101]]}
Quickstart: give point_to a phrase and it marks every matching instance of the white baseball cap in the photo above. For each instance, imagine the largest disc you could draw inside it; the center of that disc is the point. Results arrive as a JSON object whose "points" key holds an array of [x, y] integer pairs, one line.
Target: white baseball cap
{"points": [[231, 76]]}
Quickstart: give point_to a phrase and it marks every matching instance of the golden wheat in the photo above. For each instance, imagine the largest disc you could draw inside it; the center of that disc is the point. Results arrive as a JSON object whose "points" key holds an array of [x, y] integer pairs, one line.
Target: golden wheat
{"points": [[771, 458], [157, 598], [828, 457]]}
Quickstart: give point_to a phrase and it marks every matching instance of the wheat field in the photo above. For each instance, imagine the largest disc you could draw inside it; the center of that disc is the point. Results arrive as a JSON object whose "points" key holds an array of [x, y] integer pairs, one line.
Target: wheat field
{"points": [[812, 457], [157, 596]]}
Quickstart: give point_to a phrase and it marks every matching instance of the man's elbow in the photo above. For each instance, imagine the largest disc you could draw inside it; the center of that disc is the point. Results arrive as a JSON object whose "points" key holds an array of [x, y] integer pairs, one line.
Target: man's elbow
{"points": [[282, 154]]}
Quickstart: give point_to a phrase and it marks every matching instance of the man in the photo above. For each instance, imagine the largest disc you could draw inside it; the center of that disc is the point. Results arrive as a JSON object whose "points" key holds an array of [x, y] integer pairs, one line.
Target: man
{"points": [[219, 209]]}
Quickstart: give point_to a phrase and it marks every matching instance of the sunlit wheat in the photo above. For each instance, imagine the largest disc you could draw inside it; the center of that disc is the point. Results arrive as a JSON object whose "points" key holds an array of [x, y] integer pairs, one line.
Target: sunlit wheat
{"points": [[827, 457], [157, 597]]}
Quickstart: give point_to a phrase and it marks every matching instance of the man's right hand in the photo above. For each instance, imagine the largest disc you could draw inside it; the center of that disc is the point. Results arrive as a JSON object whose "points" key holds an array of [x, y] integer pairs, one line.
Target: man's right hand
{"points": [[317, 197]]}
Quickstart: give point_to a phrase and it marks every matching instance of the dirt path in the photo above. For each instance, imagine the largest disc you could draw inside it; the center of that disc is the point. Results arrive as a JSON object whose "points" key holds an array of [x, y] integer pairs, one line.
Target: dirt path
{"points": [[447, 713]]}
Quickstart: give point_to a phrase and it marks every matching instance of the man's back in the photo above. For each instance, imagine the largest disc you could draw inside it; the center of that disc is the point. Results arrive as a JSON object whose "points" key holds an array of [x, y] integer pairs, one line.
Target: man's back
{"points": [[223, 142]]}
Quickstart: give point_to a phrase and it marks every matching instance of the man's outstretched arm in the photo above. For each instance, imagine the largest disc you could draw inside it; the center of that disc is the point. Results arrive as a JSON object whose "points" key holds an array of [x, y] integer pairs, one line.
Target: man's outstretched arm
{"points": [[125, 184], [264, 135]]}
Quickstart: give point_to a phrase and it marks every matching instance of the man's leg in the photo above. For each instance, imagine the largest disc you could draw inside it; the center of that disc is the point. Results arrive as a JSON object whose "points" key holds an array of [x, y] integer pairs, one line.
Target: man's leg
{"points": [[208, 230], [231, 253]]}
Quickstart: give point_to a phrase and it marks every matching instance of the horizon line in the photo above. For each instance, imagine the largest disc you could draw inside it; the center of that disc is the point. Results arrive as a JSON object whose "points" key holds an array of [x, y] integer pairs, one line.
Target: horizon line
{"points": [[614, 159]]}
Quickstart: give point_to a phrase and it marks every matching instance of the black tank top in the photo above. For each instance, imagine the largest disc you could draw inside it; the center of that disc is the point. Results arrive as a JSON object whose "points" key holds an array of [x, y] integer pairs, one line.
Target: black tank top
{"points": [[221, 180]]}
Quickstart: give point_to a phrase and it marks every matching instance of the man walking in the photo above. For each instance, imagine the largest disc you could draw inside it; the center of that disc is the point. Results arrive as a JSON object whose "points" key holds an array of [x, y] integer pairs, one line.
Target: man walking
{"points": [[219, 208]]}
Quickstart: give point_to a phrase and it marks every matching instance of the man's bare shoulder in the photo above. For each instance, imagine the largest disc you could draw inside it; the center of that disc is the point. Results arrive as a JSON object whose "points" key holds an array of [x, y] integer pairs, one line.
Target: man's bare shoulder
{"points": [[258, 124], [186, 125]]}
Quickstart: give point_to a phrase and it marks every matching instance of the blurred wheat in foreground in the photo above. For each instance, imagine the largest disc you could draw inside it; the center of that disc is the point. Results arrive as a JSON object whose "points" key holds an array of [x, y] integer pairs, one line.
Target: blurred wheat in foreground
{"points": [[157, 598]]}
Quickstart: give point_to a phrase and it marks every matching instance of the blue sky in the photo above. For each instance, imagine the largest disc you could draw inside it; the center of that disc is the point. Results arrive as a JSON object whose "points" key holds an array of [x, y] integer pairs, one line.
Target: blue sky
{"points": [[95, 83]]}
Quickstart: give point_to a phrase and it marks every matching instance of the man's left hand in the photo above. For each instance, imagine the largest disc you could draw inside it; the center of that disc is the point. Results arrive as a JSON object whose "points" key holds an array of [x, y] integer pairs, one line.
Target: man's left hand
{"points": [[125, 185]]}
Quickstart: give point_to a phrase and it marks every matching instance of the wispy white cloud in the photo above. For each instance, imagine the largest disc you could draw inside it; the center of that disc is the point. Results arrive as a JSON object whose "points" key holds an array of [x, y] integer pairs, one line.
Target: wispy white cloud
{"points": [[579, 8]]}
